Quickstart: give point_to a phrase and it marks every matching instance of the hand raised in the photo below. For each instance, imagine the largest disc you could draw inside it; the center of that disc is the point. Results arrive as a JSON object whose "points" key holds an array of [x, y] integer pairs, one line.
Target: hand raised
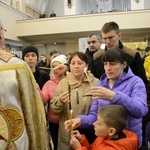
{"points": [[76, 122]]}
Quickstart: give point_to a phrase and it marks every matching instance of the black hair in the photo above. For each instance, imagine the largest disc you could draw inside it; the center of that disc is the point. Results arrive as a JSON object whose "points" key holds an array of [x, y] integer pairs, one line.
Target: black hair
{"points": [[114, 55], [147, 49]]}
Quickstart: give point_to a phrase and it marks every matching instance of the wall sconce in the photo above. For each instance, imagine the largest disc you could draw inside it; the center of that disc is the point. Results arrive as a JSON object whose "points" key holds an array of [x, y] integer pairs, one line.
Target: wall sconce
{"points": [[69, 3]]}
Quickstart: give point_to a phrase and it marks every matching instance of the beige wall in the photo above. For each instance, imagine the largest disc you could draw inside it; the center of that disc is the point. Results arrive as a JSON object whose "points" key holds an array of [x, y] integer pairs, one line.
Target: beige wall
{"points": [[71, 47], [59, 47], [126, 20], [32, 12], [9, 17]]}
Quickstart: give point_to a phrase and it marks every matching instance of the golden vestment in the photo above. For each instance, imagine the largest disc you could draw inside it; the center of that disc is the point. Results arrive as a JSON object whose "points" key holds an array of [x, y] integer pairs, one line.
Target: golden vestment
{"points": [[22, 115]]}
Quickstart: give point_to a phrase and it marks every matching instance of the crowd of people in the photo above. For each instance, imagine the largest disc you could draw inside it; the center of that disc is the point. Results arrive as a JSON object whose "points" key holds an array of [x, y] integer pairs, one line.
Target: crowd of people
{"points": [[89, 101]]}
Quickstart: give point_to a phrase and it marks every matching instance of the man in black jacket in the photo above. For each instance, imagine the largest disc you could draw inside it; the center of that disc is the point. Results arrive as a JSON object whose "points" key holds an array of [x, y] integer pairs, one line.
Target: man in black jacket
{"points": [[112, 36], [94, 43]]}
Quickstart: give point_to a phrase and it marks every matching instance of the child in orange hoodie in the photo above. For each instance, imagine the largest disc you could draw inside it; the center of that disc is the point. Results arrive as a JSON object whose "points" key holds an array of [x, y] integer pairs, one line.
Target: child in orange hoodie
{"points": [[109, 128]]}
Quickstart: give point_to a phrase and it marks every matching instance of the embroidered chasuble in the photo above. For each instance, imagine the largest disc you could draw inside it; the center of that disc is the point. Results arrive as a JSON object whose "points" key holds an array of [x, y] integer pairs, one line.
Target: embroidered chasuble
{"points": [[22, 115]]}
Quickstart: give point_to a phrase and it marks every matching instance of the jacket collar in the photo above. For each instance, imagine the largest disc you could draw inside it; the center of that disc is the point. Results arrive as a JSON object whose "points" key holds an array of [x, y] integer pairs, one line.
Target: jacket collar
{"points": [[90, 52], [75, 83]]}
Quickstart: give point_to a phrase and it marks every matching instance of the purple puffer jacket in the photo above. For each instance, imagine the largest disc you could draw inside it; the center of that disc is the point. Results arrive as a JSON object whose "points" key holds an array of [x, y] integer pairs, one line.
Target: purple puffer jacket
{"points": [[131, 94]]}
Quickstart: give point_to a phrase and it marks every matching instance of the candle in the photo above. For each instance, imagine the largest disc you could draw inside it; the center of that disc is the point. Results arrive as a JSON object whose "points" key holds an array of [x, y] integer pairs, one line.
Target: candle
{"points": [[67, 80], [46, 68], [77, 96], [69, 91], [0, 103], [71, 123], [85, 71]]}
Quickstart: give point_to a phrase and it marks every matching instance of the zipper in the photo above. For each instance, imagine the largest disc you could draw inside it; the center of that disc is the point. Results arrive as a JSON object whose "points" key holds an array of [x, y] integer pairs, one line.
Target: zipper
{"points": [[77, 95]]}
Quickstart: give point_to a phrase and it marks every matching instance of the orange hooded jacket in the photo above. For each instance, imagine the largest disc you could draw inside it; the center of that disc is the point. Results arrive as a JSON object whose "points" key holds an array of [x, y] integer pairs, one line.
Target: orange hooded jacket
{"points": [[128, 143]]}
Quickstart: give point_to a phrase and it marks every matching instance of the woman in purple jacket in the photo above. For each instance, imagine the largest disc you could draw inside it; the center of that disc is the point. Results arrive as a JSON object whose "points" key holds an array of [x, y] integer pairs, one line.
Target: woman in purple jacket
{"points": [[117, 86]]}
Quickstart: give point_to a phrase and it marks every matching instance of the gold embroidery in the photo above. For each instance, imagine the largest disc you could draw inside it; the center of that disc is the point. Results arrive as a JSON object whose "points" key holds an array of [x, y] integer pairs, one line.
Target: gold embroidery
{"points": [[4, 132], [5, 56], [37, 137], [12, 146], [17, 66], [11, 127], [16, 122]]}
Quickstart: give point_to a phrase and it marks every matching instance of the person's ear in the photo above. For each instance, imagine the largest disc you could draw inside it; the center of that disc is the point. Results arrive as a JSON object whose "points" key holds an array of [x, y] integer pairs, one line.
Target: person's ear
{"points": [[119, 35], [112, 131], [125, 64]]}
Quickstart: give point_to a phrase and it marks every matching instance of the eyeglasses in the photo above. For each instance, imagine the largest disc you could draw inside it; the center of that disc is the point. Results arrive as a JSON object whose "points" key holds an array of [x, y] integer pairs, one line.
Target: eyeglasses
{"points": [[3, 29]]}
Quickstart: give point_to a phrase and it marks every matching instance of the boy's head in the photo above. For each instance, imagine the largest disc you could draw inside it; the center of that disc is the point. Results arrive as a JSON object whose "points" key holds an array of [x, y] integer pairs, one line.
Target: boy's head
{"points": [[111, 120]]}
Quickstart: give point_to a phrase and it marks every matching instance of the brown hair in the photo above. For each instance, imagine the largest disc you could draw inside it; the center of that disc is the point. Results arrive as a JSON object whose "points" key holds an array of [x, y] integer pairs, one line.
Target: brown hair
{"points": [[109, 26], [114, 116], [81, 55], [43, 55], [54, 52]]}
